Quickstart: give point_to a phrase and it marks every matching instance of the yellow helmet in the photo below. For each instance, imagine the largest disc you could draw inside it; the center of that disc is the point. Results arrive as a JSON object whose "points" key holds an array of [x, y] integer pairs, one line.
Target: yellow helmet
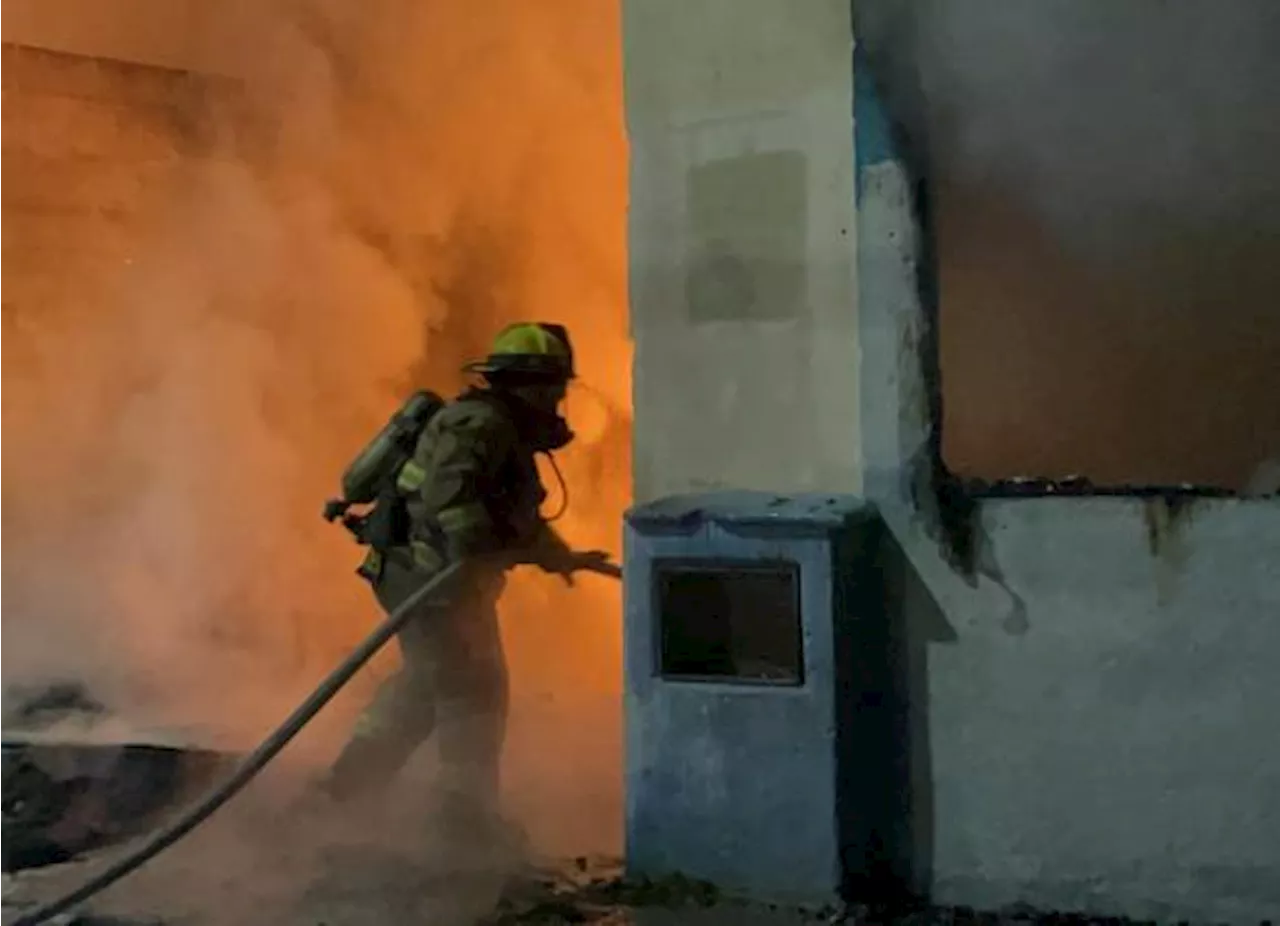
{"points": [[533, 349]]}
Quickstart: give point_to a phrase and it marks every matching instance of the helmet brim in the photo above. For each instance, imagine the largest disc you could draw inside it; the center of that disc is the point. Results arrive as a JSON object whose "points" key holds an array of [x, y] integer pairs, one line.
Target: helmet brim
{"points": [[524, 365]]}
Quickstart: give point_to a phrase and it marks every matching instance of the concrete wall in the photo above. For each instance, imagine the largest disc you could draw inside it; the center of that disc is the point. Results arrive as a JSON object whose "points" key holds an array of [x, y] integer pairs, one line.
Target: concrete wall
{"points": [[1089, 703]]}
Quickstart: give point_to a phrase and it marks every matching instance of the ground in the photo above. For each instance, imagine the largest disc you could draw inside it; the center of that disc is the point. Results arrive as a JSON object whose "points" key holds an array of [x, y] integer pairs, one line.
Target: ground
{"points": [[276, 856], [363, 889], [263, 862]]}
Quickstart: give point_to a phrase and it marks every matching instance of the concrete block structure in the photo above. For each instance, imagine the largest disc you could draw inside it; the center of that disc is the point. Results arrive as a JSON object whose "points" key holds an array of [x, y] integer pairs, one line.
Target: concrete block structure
{"points": [[758, 748]]}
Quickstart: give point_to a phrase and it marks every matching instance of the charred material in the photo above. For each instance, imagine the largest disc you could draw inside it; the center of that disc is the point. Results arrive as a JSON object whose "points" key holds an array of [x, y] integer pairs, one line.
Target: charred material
{"points": [[62, 799], [1081, 487], [67, 790]]}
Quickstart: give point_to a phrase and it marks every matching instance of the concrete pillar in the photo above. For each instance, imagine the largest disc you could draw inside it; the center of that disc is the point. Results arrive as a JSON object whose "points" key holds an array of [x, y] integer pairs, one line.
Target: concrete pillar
{"points": [[743, 245]]}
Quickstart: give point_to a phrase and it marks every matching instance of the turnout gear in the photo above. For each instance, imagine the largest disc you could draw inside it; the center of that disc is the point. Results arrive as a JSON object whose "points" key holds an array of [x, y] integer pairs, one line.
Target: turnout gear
{"points": [[453, 682], [469, 491], [472, 484]]}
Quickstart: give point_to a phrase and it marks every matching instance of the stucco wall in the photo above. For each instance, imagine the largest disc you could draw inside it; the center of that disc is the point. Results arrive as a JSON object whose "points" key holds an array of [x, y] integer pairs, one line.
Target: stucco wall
{"points": [[741, 229], [1089, 714]]}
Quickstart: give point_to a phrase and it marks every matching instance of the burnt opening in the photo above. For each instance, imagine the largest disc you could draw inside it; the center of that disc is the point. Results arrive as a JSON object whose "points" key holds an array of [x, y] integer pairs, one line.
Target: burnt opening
{"points": [[729, 622], [1105, 214]]}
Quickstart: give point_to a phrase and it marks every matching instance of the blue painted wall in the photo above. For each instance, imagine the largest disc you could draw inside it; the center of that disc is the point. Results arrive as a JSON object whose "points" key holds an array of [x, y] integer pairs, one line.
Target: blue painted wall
{"points": [[873, 137]]}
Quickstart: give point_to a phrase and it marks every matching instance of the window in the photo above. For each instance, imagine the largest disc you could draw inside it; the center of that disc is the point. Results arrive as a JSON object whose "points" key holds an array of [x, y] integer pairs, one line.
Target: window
{"points": [[730, 622]]}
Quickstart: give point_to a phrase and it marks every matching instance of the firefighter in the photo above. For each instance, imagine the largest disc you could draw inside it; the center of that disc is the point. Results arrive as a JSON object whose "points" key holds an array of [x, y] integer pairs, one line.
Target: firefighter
{"points": [[473, 494]]}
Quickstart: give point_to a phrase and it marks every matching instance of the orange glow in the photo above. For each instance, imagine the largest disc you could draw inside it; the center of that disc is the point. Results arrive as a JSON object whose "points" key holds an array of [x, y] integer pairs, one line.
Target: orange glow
{"points": [[391, 183]]}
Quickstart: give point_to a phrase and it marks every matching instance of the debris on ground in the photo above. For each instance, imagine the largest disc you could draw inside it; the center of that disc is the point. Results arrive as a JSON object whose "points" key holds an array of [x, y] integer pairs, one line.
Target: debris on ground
{"points": [[596, 892], [593, 891]]}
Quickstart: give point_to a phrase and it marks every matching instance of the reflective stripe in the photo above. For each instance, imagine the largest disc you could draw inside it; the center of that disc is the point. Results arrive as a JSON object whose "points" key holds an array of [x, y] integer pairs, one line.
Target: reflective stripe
{"points": [[426, 556], [371, 567], [462, 517], [411, 477]]}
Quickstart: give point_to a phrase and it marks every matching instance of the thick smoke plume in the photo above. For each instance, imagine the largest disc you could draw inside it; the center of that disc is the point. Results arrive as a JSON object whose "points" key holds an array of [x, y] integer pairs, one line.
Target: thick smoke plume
{"points": [[374, 190], [1107, 178]]}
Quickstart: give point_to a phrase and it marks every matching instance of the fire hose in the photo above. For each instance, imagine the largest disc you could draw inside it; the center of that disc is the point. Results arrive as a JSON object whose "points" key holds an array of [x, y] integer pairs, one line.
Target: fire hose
{"points": [[257, 760]]}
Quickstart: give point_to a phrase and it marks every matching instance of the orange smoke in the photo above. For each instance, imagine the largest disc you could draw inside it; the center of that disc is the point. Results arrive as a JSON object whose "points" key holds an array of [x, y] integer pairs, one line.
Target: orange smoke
{"points": [[383, 187]]}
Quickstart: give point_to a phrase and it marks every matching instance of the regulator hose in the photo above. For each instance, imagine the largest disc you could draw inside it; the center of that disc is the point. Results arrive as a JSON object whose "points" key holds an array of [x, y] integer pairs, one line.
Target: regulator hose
{"points": [[254, 763]]}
